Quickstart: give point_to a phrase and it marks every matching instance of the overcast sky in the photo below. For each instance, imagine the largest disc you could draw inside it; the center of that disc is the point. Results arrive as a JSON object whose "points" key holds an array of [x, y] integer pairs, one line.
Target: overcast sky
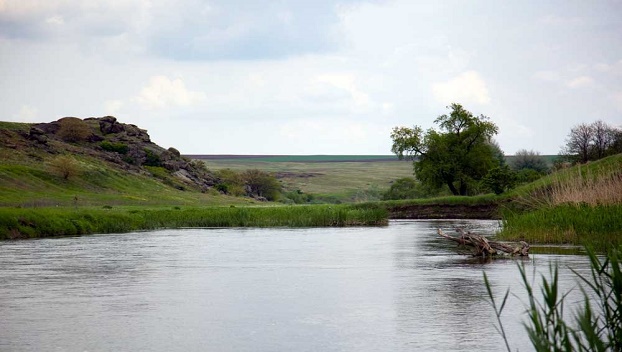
{"points": [[315, 76]]}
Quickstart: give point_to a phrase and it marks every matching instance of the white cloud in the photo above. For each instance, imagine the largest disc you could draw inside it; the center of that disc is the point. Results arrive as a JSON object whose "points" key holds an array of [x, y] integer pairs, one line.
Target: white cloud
{"points": [[324, 133], [347, 82], [549, 76], [112, 107], [556, 20], [614, 68], [616, 97], [162, 92], [468, 87], [27, 114], [55, 20], [580, 82]]}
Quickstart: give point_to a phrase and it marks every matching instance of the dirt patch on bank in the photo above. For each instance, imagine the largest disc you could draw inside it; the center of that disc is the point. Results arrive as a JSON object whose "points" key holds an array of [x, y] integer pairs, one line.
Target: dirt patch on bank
{"points": [[445, 211]]}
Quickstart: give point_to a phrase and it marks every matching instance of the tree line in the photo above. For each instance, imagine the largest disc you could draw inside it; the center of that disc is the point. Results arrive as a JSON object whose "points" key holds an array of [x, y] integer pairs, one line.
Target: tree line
{"points": [[461, 156], [588, 142]]}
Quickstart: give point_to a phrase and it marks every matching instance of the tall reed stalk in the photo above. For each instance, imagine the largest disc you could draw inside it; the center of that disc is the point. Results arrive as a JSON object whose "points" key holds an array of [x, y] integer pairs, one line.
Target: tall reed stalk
{"points": [[589, 329]]}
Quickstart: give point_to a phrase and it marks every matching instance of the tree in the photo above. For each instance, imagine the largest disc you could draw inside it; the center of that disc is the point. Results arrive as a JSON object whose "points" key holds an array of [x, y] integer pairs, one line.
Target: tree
{"points": [[529, 159], [73, 129], [603, 139], [230, 182], [66, 166], [500, 179], [457, 156], [593, 141], [408, 188], [578, 142], [402, 188], [261, 184]]}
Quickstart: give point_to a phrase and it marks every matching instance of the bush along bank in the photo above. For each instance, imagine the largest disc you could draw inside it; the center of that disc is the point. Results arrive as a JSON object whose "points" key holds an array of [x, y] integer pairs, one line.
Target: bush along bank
{"points": [[18, 223]]}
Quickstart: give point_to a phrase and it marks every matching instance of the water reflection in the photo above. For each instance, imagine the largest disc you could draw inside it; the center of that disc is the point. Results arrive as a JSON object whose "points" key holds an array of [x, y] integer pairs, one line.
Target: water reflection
{"points": [[397, 288]]}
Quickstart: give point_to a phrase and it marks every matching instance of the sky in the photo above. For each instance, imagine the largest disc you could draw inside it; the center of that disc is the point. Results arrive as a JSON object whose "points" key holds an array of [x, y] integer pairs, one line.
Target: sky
{"points": [[313, 77]]}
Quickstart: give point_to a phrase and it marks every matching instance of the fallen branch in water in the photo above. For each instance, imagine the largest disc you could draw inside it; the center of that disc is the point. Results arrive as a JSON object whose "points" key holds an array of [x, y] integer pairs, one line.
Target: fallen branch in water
{"points": [[483, 247]]}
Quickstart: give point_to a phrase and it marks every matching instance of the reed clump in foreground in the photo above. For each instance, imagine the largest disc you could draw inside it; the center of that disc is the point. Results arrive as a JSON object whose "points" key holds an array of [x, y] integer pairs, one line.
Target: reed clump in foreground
{"points": [[52, 222], [581, 205], [595, 326]]}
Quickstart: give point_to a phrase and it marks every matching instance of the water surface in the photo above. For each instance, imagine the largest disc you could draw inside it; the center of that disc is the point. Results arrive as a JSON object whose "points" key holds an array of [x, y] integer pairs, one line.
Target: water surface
{"points": [[394, 288]]}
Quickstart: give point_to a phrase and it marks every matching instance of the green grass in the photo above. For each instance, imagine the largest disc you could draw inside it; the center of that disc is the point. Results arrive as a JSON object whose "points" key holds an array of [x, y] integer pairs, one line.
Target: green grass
{"points": [[590, 170], [15, 126], [52, 222], [36, 185], [598, 226]]}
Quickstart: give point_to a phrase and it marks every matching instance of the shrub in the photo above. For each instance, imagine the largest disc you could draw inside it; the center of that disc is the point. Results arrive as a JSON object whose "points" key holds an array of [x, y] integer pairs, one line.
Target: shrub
{"points": [[66, 166], [297, 197], [529, 159], [115, 147], [73, 129], [500, 179], [230, 182], [403, 188], [152, 159], [261, 184], [527, 175]]}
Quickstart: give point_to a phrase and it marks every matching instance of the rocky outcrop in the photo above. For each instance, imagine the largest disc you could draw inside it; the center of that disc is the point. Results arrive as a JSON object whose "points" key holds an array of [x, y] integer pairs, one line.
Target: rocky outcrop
{"points": [[128, 147], [38, 135]]}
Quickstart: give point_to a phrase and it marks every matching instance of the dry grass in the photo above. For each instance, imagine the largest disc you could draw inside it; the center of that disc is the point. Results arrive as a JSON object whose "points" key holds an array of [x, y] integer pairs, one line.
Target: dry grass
{"points": [[604, 188], [579, 186]]}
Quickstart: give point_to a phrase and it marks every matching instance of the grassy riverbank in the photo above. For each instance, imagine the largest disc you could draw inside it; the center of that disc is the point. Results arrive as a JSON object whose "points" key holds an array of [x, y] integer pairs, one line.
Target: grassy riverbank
{"points": [[599, 226], [579, 205], [51, 222]]}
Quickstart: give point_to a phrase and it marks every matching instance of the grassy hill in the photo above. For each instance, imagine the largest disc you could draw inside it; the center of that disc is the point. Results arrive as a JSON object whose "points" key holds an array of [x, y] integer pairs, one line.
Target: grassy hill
{"points": [[28, 176]]}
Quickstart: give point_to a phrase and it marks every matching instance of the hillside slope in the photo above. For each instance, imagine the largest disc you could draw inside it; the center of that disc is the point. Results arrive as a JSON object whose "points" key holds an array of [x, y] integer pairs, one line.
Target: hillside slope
{"points": [[109, 163]]}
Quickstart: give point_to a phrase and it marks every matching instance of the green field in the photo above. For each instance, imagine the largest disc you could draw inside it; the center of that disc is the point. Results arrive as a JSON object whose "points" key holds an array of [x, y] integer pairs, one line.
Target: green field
{"points": [[549, 159], [344, 181]]}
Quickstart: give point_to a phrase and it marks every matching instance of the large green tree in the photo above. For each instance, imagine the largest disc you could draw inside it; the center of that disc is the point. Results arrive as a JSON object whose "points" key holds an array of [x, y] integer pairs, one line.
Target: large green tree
{"points": [[458, 155]]}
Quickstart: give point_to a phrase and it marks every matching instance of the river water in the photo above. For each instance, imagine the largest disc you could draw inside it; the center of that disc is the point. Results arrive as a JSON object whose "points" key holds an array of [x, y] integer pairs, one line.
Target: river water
{"points": [[394, 288]]}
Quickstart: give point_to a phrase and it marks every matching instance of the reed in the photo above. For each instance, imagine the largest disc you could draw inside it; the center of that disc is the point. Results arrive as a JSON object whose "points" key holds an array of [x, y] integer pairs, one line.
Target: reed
{"points": [[596, 326], [52, 222], [599, 226]]}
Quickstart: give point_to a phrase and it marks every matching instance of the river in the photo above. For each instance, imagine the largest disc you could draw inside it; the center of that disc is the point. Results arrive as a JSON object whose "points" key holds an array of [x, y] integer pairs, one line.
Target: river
{"points": [[393, 288]]}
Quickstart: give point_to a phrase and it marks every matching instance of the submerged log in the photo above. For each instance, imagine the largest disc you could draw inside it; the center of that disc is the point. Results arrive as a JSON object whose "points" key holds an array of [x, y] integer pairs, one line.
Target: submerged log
{"points": [[483, 247]]}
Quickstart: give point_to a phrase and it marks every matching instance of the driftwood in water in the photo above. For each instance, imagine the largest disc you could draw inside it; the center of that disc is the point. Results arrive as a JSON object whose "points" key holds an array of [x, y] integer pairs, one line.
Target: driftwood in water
{"points": [[484, 247]]}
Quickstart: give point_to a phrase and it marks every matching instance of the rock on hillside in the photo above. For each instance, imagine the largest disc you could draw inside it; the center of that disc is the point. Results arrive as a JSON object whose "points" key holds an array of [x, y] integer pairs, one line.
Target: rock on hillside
{"points": [[125, 146]]}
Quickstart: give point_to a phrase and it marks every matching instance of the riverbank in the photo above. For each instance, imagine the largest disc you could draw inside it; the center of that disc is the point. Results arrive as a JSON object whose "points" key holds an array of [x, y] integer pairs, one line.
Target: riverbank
{"points": [[581, 205], [19, 223]]}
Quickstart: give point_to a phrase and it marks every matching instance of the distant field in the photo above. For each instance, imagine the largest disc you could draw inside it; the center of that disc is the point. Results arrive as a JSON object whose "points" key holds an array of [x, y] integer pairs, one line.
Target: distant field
{"points": [[344, 178], [297, 158], [549, 159]]}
